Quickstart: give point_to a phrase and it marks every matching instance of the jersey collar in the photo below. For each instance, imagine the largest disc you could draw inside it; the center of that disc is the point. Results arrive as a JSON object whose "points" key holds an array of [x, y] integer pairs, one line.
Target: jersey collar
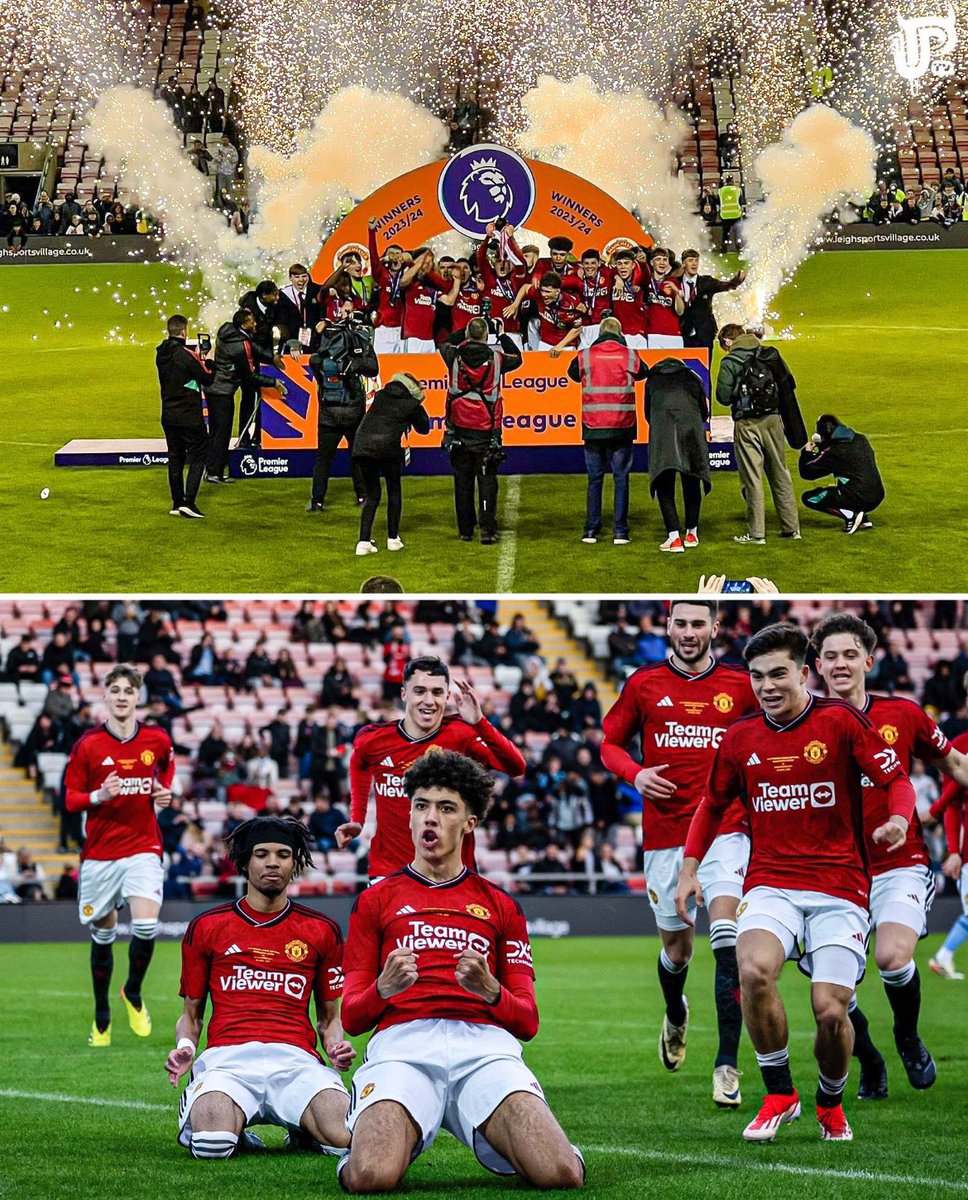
{"points": [[124, 741], [796, 720], [426, 736], [246, 914], [432, 883], [688, 676]]}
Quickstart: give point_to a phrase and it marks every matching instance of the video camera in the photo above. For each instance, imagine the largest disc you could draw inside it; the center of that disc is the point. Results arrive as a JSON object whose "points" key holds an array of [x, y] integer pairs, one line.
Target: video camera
{"points": [[495, 326]]}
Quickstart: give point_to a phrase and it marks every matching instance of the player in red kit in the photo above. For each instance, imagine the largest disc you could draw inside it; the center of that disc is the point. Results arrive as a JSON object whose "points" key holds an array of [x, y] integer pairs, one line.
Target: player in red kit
{"points": [[438, 962], [116, 775], [628, 298], [559, 314], [260, 961], [664, 304], [423, 289], [383, 752], [902, 886], [558, 263], [679, 709], [952, 806], [797, 768], [597, 282], [388, 278], [499, 289]]}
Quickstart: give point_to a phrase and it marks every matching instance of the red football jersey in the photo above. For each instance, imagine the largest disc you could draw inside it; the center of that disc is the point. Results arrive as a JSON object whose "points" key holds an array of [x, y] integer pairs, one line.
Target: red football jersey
{"points": [[500, 292], [420, 305], [952, 805], [908, 728], [438, 921], [381, 755], [801, 785], [127, 824], [389, 296], [555, 320], [660, 308], [628, 303], [466, 307], [596, 294], [680, 719], [570, 282], [260, 969]]}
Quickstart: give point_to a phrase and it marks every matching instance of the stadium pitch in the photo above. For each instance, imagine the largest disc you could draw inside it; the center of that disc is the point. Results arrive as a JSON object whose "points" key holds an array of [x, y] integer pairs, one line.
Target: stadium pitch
{"points": [[875, 344], [101, 1123]]}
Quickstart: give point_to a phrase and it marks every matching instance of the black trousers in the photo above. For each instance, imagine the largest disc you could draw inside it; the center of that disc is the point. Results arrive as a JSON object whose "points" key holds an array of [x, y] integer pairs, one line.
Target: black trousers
{"points": [[329, 440], [665, 494], [187, 444], [697, 341], [372, 470], [468, 468], [249, 403], [221, 411]]}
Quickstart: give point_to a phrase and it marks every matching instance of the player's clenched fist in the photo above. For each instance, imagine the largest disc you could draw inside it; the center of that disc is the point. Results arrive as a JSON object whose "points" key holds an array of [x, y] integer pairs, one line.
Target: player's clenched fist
{"points": [[474, 976], [340, 1054], [399, 972], [892, 833], [161, 795], [110, 788], [178, 1062]]}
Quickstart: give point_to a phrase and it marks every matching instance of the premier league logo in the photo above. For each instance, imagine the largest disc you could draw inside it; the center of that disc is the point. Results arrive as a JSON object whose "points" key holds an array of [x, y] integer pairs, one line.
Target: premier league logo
{"points": [[483, 184]]}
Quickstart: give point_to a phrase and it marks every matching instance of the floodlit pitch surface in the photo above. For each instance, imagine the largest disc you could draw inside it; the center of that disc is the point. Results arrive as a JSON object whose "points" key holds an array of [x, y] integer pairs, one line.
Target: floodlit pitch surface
{"points": [[101, 1123], [881, 342]]}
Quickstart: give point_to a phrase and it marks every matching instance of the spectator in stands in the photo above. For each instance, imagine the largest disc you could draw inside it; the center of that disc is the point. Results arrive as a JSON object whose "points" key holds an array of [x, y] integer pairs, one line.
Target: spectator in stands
{"points": [[45, 211], [650, 645], [950, 206], [230, 772], [258, 665], [908, 211], [286, 671], [324, 820], [66, 888], [883, 211], [93, 644], [9, 215], [731, 202], [586, 710], [157, 635], [58, 659], [29, 877], [926, 203], [261, 769], [941, 690], [186, 864], [279, 737], [200, 157], [571, 812], [396, 654], [239, 219], [92, 222], [210, 751], [173, 821], [160, 682], [299, 629], [23, 661], [204, 663], [522, 865], [226, 167], [554, 861], [729, 146], [890, 672], [194, 110], [75, 226], [621, 645], [214, 98], [338, 686], [951, 178], [173, 95], [329, 742], [519, 641]]}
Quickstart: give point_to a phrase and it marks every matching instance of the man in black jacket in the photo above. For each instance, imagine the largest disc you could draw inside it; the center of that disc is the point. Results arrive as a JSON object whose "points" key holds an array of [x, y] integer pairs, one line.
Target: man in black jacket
{"points": [[236, 364], [697, 322], [298, 310], [473, 419], [262, 303], [836, 449], [182, 376]]}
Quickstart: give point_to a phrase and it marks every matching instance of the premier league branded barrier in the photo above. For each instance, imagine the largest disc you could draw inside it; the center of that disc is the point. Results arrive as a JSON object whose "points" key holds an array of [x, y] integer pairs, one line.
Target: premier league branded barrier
{"points": [[541, 428], [481, 184]]}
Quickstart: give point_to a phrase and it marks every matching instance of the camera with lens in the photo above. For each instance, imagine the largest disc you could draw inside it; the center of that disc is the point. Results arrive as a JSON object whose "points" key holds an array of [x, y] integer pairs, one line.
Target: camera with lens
{"points": [[205, 342]]}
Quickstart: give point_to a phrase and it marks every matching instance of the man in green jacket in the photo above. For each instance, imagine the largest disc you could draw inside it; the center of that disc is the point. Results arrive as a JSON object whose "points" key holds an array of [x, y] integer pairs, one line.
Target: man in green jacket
{"points": [[756, 385]]}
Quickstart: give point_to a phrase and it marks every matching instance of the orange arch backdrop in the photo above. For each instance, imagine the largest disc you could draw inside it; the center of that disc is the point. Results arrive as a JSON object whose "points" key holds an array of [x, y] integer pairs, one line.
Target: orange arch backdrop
{"points": [[409, 210]]}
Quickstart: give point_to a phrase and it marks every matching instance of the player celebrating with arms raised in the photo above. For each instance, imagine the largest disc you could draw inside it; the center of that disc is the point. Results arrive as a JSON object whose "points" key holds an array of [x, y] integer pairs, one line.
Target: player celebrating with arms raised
{"points": [[382, 752], [438, 960], [679, 709], [796, 766], [902, 886], [260, 960], [116, 775]]}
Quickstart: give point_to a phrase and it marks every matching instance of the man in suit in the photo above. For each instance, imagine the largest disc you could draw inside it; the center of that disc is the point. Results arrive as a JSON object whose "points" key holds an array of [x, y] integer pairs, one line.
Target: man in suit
{"points": [[698, 323], [262, 303], [298, 310]]}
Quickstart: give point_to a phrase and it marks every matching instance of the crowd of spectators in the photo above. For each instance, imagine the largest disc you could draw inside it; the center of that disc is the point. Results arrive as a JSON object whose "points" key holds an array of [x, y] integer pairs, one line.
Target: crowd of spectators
{"points": [[565, 815], [943, 205]]}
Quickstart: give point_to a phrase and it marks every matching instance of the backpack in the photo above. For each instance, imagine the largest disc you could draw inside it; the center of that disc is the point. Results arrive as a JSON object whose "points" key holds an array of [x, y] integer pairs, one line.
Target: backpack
{"points": [[345, 353], [758, 394]]}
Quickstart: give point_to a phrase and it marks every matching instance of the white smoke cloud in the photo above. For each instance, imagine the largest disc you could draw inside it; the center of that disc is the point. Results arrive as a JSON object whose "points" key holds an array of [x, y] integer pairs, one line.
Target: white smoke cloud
{"points": [[622, 141], [821, 161]]}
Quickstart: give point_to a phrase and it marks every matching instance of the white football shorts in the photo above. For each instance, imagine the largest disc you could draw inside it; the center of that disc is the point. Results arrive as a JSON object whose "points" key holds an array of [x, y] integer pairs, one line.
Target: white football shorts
{"points": [[665, 341], [446, 1074], [387, 339], [108, 883], [963, 889], [272, 1083], [636, 341], [589, 334], [721, 873], [903, 896], [421, 346], [808, 925]]}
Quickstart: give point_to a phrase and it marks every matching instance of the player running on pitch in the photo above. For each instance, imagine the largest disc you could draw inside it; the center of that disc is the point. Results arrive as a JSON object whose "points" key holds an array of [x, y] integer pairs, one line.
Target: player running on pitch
{"points": [[902, 886], [382, 753], [259, 961], [679, 709], [797, 766], [116, 775], [438, 961]]}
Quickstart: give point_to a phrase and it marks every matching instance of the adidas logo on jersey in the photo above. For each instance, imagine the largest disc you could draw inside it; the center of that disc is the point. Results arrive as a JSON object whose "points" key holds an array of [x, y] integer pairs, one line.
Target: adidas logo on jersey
{"points": [[665, 702], [233, 949], [387, 762], [108, 762], [753, 760], [407, 908]]}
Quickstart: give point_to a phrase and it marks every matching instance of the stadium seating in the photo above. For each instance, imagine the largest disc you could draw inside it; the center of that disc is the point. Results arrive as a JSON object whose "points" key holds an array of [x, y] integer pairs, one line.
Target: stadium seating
{"points": [[931, 137]]}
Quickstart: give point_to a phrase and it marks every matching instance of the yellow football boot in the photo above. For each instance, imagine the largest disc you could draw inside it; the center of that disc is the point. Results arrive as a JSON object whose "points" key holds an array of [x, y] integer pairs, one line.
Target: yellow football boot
{"points": [[98, 1037], [138, 1018]]}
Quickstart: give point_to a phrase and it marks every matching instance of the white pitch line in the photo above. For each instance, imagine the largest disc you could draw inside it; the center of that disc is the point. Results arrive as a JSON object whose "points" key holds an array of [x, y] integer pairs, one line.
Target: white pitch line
{"points": [[744, 1164], [29, 443], [99, 1101], [898, 328], [509, 535]]}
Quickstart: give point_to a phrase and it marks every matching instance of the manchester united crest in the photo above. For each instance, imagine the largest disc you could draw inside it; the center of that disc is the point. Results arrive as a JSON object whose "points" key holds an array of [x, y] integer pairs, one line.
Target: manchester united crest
{"points": [[148, 757], [478, 910], [723, 702], [366, 1091], [296, 950], [741, 909], [653, 895], [88, 910], [888, 733], [815, 752]]}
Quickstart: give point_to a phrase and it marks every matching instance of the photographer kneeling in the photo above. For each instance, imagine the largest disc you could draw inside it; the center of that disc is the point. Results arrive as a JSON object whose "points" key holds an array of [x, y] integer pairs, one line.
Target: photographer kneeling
{"points": [[836, 449], [473, 419], [344, 356]]}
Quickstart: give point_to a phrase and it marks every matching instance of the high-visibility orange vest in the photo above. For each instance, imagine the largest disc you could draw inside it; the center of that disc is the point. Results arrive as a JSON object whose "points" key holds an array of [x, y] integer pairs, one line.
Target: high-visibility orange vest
{"points": [[607, 372]]}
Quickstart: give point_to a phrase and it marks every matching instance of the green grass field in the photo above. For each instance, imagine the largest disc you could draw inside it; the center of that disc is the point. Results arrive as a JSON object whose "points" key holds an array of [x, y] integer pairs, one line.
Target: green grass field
{"points": [[881, 341], [83, 1123]]}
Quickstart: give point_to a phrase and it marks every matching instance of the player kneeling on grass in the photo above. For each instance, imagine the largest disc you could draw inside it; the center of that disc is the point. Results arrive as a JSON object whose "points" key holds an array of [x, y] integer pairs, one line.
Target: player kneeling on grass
{"points": [[438, 961], [797, 768], [260, 960]]}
